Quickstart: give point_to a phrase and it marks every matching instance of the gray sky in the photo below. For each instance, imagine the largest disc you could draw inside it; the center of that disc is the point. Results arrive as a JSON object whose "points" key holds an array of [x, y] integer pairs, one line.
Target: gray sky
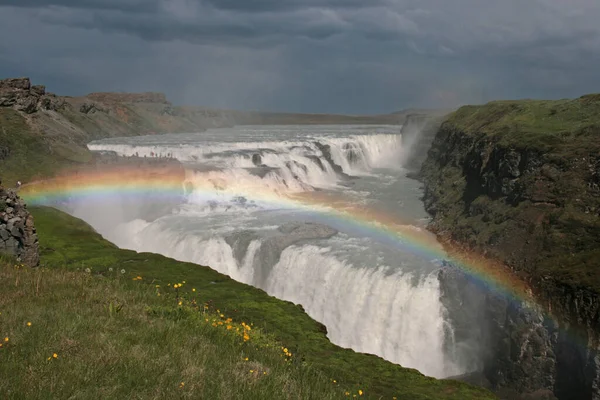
{"points": [[347, 56]]}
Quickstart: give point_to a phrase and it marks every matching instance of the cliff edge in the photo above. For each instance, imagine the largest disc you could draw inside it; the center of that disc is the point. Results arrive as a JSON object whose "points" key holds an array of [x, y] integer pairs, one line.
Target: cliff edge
{"points": [[519, 182]]}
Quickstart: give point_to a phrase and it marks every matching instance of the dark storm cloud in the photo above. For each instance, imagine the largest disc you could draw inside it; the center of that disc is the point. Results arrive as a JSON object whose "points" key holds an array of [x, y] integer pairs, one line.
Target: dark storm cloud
{"points": [[124, 5], [201, 25], [280, 5], [308, 55]]}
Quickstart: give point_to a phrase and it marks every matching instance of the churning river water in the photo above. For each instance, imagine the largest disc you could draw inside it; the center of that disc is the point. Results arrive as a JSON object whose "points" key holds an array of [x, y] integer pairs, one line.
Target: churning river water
{"points": [[236, 217]]}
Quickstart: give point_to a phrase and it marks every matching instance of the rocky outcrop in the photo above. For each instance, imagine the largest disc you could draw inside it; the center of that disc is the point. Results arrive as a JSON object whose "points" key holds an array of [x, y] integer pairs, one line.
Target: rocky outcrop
{"points": [[325, 149], [18, 237], [20, 95], [530, 200]]}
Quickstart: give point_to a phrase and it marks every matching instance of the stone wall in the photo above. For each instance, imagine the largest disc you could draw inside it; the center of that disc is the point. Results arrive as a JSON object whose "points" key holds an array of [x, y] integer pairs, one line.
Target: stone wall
{"points": [[18, 237]]}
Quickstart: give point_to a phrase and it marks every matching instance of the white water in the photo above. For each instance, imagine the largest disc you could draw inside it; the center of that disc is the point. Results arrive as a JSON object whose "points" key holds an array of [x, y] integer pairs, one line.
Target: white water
{"points": [[372, 297]]}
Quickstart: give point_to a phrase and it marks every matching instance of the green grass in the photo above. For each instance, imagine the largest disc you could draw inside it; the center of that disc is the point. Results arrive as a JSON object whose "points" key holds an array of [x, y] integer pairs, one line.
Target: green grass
{"points": [[115, 338], [152, 344], [540, 124]]}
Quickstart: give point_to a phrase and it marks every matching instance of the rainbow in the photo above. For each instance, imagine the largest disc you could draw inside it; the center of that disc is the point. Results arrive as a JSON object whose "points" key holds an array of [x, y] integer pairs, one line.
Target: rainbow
{"points": [[158, 184]]}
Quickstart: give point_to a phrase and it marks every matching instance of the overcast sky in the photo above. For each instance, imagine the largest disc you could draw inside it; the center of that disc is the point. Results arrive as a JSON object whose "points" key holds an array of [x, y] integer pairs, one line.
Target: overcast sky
{"points": [[346, 56]]}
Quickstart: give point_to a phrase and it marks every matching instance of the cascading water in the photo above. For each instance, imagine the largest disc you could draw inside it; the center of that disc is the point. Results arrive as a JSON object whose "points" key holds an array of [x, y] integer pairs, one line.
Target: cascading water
{"points": [[235, 217]]}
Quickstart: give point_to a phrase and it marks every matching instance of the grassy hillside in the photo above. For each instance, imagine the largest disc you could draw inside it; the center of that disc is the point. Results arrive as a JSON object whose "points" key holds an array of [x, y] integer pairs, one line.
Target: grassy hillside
{"points": [[82, 335], [537, 124], [25, 153], [119, 336], [520, 181]]}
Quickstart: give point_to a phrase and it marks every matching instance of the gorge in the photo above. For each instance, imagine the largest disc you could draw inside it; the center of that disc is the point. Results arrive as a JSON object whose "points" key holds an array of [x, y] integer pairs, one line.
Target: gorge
{"points": [[305, 213]]}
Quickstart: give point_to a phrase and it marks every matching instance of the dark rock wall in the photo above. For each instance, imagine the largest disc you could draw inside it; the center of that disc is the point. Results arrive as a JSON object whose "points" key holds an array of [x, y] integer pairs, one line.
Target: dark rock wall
{"points": [[536, 210]]}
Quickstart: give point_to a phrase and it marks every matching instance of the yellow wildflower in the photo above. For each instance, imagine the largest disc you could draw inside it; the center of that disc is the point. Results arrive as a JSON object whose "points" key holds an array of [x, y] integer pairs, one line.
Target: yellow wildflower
{"points": [[229, 327], [182, 384], [360, 392], [251, 371], [180, 303], [285, 350], [194, 289], [54, 355], [183, 281], [221, 315], [246, 359], [28, 323], [6, 339]]}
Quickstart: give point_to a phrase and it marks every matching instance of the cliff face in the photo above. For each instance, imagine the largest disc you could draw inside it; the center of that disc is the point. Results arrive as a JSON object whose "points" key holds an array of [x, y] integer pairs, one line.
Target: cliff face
{"points": [[519, 182]]}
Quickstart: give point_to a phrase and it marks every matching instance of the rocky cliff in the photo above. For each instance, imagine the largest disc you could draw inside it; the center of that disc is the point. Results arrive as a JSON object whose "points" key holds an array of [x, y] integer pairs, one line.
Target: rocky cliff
{"points": [[18, 237], [22, 96], [519, 182]]}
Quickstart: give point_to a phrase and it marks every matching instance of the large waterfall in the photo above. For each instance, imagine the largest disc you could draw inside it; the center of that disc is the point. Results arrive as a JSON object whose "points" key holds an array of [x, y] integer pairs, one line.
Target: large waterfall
{"points": [[235, 217]]}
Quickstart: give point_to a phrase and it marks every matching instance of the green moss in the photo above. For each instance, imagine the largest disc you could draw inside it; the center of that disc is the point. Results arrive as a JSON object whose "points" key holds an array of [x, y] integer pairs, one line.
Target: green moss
{"points": [[67, 242], [540, 124]]}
